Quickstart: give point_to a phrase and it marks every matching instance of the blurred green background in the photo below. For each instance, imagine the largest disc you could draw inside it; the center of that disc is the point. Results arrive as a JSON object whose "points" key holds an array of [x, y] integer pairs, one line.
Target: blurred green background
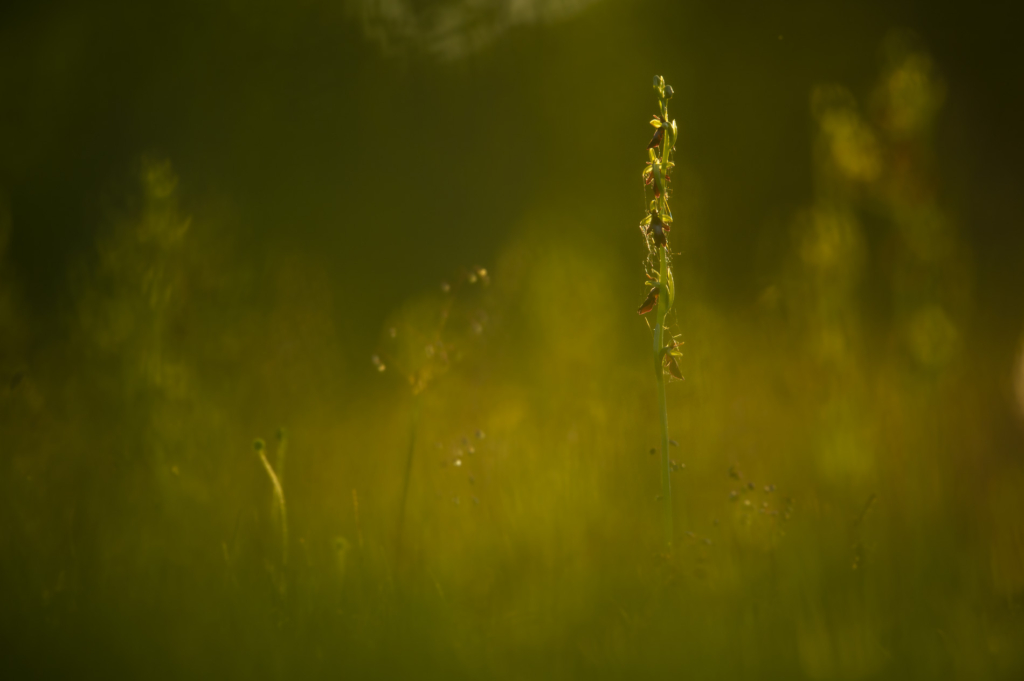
{"points": [[398, 241]]}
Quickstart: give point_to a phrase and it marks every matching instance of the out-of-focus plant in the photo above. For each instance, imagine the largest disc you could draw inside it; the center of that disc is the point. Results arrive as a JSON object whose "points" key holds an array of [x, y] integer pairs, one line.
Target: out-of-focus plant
{"points": [[138, 284], [419, 346], [931, 283], [131, 306], [655, 227], [455, 28], [279, 510]]}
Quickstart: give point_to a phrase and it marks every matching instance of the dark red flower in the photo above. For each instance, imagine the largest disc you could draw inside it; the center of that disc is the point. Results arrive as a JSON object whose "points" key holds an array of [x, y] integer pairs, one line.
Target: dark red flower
{"points": [[649, 302], [657, 229], [659, 134]]}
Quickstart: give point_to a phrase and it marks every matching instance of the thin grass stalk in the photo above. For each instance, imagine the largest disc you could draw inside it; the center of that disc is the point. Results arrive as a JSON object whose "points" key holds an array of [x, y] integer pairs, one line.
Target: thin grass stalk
{"points": [[408, 474], [278, 499]]}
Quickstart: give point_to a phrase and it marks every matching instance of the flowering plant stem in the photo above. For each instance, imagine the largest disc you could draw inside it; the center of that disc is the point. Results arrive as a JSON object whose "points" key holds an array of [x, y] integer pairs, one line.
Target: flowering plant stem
{"points": [[659, 371], [655, 227]]}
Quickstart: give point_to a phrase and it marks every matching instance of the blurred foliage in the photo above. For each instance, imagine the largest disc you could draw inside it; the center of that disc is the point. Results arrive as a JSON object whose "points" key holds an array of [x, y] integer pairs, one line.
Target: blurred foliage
{"points": [[224, 221]]}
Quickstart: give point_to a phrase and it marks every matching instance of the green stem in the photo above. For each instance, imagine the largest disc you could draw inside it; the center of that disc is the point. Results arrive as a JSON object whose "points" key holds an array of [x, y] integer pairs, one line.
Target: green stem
{"points": [[408, 471], [659, 371]]}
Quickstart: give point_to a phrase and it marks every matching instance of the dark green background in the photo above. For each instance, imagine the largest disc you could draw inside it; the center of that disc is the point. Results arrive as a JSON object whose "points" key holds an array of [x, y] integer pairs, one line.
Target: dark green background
{"points": [[323, 142]]}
